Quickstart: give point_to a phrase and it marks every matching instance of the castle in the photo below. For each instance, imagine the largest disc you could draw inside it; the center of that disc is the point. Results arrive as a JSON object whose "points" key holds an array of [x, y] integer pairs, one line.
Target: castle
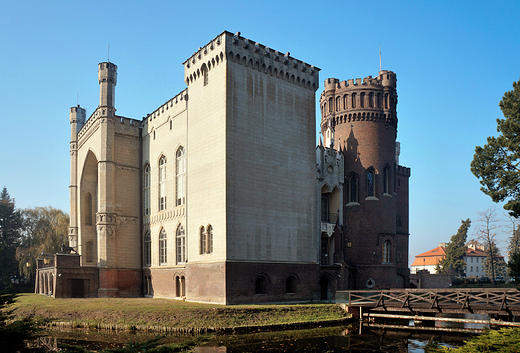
{"points": [[220, 195]]}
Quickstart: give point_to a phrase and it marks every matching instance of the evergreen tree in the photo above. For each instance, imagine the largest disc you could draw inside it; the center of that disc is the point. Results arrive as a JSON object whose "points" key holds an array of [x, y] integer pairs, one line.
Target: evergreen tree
{"points": [[455, 250], [497, 164], [514, 265], [10, 226]]}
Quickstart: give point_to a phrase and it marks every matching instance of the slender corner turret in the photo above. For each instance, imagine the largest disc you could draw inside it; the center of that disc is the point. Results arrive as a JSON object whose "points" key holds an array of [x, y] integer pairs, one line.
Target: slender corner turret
{"points": [[107, 75]]}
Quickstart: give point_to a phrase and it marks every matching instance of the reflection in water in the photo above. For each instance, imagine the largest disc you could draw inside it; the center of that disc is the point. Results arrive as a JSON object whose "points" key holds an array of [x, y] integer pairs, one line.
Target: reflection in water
{"points": [[351, 338]]}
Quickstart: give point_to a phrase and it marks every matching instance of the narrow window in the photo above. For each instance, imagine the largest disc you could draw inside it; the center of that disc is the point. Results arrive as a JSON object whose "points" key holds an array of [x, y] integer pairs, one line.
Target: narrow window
{"points": [[210, 239], [379, 100], [181, 245], [146, 186], [386, 101], [147, 249], [260, 287], [181, 176], [177, 286], [338, 104], [353, 197], [88, 206], [290, 285], [386, 251], [163, 258], [371, 99], [362, 100], [325, 207], [370, 183], [331, 105], [345, 101], [202, 240], [354, 96], [205, 74], [162, 183]]}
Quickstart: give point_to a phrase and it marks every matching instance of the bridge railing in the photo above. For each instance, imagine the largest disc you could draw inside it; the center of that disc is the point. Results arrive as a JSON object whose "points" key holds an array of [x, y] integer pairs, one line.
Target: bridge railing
{"points": [[467, 298]]}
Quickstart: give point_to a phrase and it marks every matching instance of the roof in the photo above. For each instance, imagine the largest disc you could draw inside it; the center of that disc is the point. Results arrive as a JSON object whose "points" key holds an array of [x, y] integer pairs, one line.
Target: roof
{"points": [[433, 256]]}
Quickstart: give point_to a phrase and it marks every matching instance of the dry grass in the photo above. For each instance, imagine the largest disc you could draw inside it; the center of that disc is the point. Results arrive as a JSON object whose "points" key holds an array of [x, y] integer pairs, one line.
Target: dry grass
{"points": [[170, 313]]}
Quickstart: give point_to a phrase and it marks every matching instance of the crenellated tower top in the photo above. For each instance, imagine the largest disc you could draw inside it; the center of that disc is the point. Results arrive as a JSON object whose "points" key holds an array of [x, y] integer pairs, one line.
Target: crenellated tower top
{"points": [[107, 76], [370, 98], [235, 48]]}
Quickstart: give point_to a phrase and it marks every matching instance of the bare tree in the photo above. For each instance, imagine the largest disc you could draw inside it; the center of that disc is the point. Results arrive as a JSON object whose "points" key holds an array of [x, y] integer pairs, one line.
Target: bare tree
{"points": [[487, 230]]}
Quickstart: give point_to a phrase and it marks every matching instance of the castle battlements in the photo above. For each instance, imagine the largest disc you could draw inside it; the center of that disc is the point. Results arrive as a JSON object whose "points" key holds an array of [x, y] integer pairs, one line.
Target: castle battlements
{"points": [[234, 48], [403, 170], [164, 108]]}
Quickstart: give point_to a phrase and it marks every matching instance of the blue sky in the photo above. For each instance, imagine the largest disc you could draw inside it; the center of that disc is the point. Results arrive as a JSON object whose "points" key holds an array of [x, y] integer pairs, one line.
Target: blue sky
{"points": [[454, 60]]}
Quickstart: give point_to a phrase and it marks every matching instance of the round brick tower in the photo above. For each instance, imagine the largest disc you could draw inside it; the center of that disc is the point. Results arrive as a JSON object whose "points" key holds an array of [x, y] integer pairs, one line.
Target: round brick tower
{"points": [[362, 116]]}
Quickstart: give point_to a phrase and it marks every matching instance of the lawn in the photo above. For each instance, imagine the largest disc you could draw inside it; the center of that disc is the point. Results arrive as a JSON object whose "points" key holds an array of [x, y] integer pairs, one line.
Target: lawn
{"points": [[169, 312]]}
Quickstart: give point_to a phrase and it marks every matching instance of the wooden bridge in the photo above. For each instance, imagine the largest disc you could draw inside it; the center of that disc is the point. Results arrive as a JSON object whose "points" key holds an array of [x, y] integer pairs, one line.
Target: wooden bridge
{"points": [[493, 301]]}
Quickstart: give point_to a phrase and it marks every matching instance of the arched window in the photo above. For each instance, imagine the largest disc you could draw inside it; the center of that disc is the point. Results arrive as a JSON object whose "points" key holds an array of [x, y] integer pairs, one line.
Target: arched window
{"points": [[210, 238], [177, 286], [202, 240], [371, 99], [370, 183], [386, 100], [354, 96], [205, 74], [181, 176], [345, 101], [146, 191], [163, 248], [162, 183], [260, 285], [362, 100], [353, 188], [386, 183], [379, 100], [88, 206], [180, 238], [331, 105], [338, 104], [386, 251], [290, 285], [147, 249]]}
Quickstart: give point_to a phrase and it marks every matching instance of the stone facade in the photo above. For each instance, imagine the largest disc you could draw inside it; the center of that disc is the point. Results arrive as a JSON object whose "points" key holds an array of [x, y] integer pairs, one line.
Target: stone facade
{"points": [[217, 195]]}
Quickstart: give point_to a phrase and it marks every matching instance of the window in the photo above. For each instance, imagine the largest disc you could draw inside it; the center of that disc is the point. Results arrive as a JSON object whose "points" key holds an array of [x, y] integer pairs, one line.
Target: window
{"points": [[260, 285], [379, 100], [146, 187], [162, 183], [88, 206], [290, 285], [353, 105], [371, 99], [386, 251], [338, 104], [352, 187], [180, 237], [205, 74], [477, 259], [362, 100], [163, 257], [370, 183], [386, 184], [147, 249], [471, 269], [330, 105], [181, 176], [325, 207], [210, 239], [202, 240], [476, 269], [345, 101]]}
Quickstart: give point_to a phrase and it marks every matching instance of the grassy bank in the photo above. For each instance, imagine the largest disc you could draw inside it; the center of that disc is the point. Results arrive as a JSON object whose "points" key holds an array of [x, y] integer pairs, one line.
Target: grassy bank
{"points": [[170, 313]]}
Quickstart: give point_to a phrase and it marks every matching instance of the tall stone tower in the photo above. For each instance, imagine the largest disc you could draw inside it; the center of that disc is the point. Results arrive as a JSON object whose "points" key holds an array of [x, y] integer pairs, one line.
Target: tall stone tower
{"points": [[362, 116]]}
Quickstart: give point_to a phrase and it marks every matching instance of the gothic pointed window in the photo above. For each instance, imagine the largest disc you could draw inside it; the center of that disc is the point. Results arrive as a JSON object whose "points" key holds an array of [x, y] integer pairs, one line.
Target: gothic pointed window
{"points": [[163, 248], [209, 233], [370, 183], [162, 183], [147, 249], [146, 191], [180, 238], [202, 240], [387, 251], [181, 177]]}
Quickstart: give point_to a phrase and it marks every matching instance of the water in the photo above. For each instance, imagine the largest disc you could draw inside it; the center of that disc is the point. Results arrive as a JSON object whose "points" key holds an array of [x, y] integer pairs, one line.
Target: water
{"points": [[350, 338]]}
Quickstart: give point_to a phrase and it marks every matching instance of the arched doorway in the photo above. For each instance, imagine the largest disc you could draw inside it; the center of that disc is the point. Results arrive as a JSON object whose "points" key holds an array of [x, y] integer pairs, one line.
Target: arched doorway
{"points": [[325, 288]]}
